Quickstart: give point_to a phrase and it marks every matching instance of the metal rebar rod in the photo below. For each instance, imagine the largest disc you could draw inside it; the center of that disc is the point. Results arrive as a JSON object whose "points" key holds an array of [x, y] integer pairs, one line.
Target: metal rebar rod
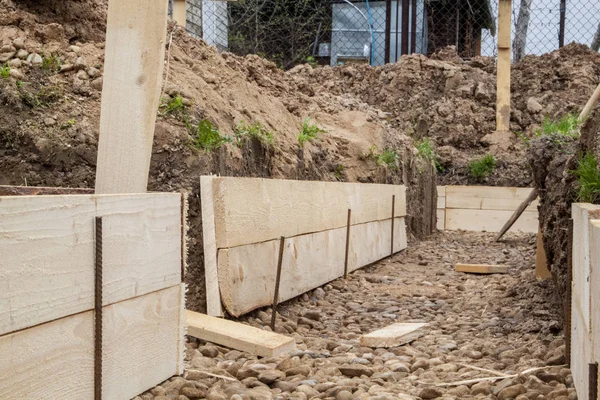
{"points": [[347, 243], [98, 312], [393, 217], [277, 281]]}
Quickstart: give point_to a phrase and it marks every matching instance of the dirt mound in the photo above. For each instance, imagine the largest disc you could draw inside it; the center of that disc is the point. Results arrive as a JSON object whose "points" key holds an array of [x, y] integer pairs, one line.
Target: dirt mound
{"points": [[447, 99]]}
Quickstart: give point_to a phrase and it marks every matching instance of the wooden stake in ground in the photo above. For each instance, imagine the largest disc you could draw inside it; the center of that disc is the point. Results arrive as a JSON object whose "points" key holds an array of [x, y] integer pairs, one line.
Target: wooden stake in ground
{"points": [[133, 68], [503, 68], [532, 196], [590, 105], [541, 262], [482, 268], [180, 12]]}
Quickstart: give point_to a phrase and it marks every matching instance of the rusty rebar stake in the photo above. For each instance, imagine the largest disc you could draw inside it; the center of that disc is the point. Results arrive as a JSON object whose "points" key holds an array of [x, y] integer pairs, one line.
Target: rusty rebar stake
{"points": [[277, 281], [393, 216], [593, 381], [347, 243], [98, 312]]}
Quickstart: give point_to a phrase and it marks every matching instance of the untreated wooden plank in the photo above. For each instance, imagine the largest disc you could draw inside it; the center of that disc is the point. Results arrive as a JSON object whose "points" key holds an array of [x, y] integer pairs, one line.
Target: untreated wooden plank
{"points": [[237, 336], [392, 336], [143, 346], [35, 191], [441, 219], [252, 210], [247, 273], [47, 247], [213, 294], [488, 198], [133, 70], [180, 12], [482, 268], [489, 220], [595, 287], [503, 67]]}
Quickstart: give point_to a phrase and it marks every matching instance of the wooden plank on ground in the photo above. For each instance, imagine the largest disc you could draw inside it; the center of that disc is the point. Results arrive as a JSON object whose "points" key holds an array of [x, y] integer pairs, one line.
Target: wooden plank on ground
{"points": [[133, 70], [47, 247], [252, 210], [489, 220], [143, 346], [487, 198], [392, 336], [247, 273], [213, 294], [238, 336], [482, 268]]}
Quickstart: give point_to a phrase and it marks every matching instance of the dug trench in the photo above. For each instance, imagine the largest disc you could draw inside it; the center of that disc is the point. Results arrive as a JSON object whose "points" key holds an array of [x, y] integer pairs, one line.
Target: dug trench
{"points": [[479, 326]]}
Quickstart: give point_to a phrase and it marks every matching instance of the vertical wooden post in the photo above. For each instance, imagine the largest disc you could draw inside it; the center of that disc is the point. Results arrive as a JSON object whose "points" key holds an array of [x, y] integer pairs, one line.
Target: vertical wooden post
{"points": [[503, 68], [180, 12], [561, 23], [133, 68], [388, 30]]}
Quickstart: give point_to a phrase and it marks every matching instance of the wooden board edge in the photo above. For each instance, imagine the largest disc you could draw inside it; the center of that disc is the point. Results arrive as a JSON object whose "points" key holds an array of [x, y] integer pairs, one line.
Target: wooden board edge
{"points": [[481, 268]]}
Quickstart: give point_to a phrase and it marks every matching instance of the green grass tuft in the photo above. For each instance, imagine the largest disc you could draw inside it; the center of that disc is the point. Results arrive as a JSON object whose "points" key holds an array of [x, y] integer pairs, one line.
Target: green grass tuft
{"points": [[426, 151], [208, 137], [560, 131], [589, 179], [255, 130], [51, 63], [5, 71], [172, 105], [309, 132], [482, 167]]}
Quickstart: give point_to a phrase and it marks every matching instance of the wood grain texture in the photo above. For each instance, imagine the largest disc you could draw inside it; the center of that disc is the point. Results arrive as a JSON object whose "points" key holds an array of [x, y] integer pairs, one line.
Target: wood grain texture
{"points": [[35, 191], [47, 247], [392, 336], [503, 90], [488, 198], [238, 336], [481, 268], [252, 210], [143, 341], [247, 273], [133, 70], [50, 361], [213, 294], [489, 220]]}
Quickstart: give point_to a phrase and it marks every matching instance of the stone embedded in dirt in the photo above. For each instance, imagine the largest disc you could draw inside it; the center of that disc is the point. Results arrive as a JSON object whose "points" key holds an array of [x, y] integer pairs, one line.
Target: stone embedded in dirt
{"points": [[22, 54], [4, 57], [14, 63], [430, 393], [344, 395], [355, 370], [15, 73], [307, 390], [34, 59], [19, 43], [533, 105], [270, 376], [209, 351], [314, 315], [192, 393], [481, 388], [303, 370]]}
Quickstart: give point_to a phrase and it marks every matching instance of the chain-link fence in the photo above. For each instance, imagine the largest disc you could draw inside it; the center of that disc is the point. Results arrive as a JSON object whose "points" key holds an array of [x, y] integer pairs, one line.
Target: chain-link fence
{"points": [[333, 32]]}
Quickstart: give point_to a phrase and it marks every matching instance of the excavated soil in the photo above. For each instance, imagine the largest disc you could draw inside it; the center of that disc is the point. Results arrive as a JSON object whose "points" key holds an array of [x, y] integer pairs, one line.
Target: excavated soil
{"points": [[505, 323]]}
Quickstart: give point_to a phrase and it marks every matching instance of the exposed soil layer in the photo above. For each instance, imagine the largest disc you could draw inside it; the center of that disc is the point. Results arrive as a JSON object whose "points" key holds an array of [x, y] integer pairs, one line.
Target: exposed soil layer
{"points": [[506, 323], [553, 164]]}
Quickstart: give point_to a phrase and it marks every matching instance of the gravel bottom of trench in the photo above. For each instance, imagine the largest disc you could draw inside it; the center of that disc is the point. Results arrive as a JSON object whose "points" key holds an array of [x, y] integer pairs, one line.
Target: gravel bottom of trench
{"points": [[478, 326]]}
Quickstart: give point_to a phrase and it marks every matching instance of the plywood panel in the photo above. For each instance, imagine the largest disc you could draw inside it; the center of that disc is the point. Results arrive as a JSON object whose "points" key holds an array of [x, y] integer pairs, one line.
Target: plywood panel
{"points": [[238, 336], [247, 273], [487, 198], [143, 346], [47, 247], [489, 220], [249, 210]]}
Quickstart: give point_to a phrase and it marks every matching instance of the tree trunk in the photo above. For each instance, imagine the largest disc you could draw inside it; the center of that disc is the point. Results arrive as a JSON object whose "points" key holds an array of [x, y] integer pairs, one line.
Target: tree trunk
{"points": [[596, 42], [521, 29]]}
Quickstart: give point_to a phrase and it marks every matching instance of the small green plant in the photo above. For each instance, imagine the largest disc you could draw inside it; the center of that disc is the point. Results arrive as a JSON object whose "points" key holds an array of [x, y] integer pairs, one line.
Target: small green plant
{"points": [[523, 137], [388, 158], [560, 131], [20, 84], [172, 105], [45, 96], [5, 71], [339, 172], [426, 151], [482, 167], [51, 63], [207, 136], [309, 132], [68, 124], [310, 60], [255, 130], [589, 179]]}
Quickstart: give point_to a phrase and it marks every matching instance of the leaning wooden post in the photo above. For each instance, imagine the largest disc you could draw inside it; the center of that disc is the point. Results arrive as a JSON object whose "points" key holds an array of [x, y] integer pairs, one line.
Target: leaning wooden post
{"points": [[133, 69], [503, 67], [180, 12]]}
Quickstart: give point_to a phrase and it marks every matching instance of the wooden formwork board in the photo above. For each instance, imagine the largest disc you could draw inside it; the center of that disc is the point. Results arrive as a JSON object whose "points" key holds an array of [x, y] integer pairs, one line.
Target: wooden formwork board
{"points": [[47, 252], [243, 219], [143, 346], [489, 220], [487, 198], [247, 273]]}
